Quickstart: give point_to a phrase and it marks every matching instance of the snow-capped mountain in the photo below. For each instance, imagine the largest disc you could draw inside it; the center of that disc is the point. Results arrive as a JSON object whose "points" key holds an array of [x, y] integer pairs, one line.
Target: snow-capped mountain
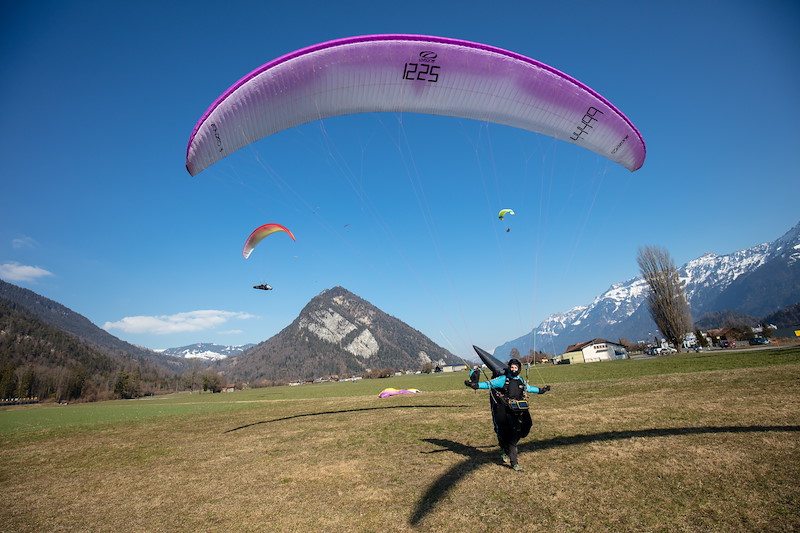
{"points": [[206, 351], [755, 281]]}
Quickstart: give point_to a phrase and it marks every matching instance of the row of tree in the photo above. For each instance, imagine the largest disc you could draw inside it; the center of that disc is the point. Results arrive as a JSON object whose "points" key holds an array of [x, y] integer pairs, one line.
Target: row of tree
{"points": [[68, 384], [64, 384], [39, 382], [532, 357], [196, 378]]}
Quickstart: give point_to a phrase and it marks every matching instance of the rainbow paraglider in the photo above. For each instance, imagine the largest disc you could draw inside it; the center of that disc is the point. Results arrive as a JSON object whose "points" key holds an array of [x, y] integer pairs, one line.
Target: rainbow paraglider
{"points": [[258, 235]]}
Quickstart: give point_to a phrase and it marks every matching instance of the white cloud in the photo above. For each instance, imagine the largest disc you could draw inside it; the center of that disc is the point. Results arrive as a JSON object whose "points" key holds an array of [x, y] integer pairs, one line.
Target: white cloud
{"points": [[23, 242], [15, 272], [177, 323], [231, 332]]}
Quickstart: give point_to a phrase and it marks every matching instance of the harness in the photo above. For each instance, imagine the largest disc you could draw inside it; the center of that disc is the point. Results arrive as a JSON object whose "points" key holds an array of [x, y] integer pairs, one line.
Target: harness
{"points": [[514, 394]]}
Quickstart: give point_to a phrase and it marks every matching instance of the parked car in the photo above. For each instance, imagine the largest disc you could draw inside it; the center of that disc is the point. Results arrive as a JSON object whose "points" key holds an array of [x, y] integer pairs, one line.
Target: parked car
{"points": [[758, 340], [727, 344], [668, 351]]}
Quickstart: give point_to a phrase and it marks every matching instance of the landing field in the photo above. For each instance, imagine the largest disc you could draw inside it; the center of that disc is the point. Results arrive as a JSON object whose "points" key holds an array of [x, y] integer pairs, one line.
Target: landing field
{"points": [[695, 442]]}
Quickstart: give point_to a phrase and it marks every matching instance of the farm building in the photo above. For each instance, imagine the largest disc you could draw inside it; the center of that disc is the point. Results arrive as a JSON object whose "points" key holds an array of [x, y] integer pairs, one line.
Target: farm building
{"points": [[453, 368], [592, 351]]}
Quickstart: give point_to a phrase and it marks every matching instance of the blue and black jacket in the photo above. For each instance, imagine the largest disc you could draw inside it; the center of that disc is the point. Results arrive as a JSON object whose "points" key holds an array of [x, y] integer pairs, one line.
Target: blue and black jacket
{"points": [[499, 383]]}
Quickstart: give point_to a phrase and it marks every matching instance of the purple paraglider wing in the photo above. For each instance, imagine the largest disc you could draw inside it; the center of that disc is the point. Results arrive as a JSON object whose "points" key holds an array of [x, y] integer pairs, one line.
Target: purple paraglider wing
{"points": [[392, 392], [412, 73]]}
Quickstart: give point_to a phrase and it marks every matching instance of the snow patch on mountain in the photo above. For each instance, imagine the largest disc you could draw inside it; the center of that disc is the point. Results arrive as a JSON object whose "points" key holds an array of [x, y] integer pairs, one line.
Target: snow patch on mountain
{"points": [[206, 351], [613, 312]]}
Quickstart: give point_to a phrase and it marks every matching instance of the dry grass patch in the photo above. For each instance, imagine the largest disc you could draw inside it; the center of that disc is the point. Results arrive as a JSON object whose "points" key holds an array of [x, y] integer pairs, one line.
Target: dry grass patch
{"points": [[694, 452]]}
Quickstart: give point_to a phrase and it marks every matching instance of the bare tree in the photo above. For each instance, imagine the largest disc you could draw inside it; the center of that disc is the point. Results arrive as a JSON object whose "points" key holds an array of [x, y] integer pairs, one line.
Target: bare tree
{"points": [[666, 298]]}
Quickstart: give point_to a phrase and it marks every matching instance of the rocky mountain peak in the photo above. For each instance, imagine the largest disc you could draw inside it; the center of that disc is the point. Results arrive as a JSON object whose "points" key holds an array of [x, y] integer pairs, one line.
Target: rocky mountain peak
{"points": [[339, 333]]}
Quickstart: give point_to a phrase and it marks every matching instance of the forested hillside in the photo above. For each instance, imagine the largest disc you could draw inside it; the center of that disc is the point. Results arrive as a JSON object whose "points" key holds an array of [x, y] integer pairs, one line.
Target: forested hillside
{"points": [[786, 317], [43, 361]]}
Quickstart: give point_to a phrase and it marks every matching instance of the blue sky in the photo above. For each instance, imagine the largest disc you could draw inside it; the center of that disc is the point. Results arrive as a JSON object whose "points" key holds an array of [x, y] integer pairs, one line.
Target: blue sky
{"points": [[98, 212]]}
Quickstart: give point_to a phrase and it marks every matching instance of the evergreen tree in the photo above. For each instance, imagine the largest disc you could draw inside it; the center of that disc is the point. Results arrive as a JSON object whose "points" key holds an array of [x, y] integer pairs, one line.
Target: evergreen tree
{"points": [[701, 339], [8, 381], [27, 383]]}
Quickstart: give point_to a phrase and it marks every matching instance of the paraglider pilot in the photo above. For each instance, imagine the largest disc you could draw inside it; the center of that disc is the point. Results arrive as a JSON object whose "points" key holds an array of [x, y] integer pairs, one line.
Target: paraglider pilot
{"points": [[509, 401]]}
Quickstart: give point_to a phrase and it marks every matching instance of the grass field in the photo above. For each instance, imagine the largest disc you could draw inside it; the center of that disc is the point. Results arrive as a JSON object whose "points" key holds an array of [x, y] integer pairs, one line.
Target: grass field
{"points": [[700, 442]]}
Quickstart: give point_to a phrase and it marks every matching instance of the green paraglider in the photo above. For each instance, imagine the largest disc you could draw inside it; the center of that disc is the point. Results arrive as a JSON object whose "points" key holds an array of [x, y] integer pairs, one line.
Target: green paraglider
{"points": [[502, 215], [504, 212]]}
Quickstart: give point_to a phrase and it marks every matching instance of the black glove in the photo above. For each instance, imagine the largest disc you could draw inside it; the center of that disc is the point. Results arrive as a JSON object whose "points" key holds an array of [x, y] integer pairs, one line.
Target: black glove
{"points": [[471, 384], [544, 389]]}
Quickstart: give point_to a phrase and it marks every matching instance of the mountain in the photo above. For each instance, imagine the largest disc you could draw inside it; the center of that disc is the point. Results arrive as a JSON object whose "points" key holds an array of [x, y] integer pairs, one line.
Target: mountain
{"points": [[50, 352], [206, 351], [721, 319], [65, 319], [755, 281], [39, 360], [785, 318], [336, 333]]}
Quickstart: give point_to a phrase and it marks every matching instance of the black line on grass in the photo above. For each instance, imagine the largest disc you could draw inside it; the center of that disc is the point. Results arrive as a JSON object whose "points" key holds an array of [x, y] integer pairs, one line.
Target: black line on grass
{"points": [[475, 458]]}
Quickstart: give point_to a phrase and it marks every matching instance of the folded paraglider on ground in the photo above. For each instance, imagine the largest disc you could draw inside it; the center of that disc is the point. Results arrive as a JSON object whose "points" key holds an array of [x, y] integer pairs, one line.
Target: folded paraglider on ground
{"points": [[391, 392]]}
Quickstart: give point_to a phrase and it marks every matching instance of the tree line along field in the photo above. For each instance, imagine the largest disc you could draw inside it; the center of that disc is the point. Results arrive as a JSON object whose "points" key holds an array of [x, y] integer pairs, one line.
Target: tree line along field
{"points": [[692, 442]]}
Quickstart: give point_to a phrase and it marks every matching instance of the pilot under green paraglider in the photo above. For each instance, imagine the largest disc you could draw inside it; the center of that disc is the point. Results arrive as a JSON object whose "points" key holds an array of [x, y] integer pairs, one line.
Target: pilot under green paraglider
{"points": [[509, 402]]}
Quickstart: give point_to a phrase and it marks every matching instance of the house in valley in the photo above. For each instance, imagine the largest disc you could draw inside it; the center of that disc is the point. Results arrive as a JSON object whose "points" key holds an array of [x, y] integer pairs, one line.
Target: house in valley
{"points": [[592, 351]]}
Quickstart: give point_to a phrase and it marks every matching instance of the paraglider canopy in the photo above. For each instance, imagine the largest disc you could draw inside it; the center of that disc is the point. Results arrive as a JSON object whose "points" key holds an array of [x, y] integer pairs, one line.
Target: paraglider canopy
{"points": [[258, 235], [391, 391], [411, 73], [504, 212]]}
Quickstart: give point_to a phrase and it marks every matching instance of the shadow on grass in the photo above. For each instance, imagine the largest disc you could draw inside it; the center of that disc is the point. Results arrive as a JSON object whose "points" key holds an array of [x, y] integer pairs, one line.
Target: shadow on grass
{"points": [[475, 458], [345, 411]]}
